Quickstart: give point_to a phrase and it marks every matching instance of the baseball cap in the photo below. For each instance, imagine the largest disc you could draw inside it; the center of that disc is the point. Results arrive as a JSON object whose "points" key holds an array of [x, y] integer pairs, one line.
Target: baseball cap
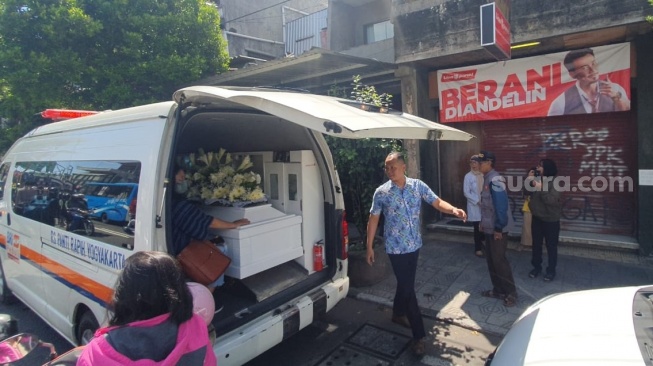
{"points": [[487, 156], [475, 158]]}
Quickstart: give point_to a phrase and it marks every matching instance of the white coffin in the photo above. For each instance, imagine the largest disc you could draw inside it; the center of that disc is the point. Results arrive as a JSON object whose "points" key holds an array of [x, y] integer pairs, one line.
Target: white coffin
{"points": [[272, 238]]}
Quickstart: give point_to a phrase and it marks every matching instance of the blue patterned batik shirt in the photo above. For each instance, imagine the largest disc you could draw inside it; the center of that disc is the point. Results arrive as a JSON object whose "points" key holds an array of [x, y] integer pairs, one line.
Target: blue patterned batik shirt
{"points": [[401, 208]]}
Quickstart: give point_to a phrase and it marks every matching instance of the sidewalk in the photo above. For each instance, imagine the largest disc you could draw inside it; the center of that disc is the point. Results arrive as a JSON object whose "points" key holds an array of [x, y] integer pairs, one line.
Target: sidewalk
{"points": [[450, 279]]}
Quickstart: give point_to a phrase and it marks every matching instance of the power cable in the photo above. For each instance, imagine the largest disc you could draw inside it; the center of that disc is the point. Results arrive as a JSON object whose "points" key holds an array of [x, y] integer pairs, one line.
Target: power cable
{"points": [[258, 11]]}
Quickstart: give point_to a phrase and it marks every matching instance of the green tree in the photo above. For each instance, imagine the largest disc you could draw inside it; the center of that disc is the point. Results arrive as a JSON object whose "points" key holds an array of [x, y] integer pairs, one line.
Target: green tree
{"points": [[360, 161], [102, 54]]}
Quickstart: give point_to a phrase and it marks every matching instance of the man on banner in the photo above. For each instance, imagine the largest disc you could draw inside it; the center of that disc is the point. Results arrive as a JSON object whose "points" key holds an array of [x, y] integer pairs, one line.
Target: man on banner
{"points": [[590, 93]]}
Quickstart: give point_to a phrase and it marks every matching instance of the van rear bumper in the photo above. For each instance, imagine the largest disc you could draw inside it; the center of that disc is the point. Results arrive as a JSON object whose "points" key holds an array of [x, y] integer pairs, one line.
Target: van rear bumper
{"points": [[249, 341]]}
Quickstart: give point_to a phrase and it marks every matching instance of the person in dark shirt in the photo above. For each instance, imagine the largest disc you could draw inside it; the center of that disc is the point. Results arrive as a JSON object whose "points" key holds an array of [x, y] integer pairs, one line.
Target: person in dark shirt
{"points": [[190, 223]]}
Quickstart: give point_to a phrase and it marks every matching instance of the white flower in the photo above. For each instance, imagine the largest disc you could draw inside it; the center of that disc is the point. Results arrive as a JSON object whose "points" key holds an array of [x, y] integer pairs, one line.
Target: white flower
{"points": [[221, 154], [217, 177], [220, 192], [227, 170], [249, 177], [255, 195], [209, 158], [238, 179], [245, 164], [201, 157], [236, 193]]}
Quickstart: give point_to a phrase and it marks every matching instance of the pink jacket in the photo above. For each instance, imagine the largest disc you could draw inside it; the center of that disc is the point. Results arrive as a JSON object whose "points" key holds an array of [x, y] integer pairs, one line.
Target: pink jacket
{"points": [[140, 343]]}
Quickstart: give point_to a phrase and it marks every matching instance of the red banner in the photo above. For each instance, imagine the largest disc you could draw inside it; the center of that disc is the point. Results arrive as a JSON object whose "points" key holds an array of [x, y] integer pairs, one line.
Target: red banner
{"points": [[593, 80]]}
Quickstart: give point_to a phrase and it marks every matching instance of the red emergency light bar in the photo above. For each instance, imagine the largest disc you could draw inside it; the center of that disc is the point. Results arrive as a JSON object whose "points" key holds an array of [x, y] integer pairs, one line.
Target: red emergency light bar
{"points": [[58, 114]]}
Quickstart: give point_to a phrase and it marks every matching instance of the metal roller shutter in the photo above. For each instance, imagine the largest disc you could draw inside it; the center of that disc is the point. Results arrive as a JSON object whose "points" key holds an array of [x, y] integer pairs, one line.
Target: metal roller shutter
{"points": [[597, 148]]}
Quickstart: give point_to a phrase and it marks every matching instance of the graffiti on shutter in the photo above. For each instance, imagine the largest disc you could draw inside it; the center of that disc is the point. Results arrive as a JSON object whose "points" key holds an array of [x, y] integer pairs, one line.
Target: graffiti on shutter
{"points": [[596, 156]]}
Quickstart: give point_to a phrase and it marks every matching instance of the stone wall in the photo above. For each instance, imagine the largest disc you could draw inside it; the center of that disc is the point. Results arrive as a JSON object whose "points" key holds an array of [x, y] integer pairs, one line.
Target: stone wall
{"points": [[453, 27]]}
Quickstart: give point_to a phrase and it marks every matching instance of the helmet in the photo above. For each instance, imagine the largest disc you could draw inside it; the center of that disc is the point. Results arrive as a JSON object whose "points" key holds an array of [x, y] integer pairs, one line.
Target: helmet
{"points": [[203, 303]]}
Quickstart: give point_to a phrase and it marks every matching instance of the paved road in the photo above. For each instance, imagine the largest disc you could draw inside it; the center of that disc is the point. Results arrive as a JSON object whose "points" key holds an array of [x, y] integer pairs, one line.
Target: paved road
{"points": [[353, 331], [359, 332], [450, 279]]}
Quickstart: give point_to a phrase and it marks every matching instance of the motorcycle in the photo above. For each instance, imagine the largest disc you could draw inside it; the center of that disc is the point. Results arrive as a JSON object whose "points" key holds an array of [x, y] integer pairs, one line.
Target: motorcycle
{"points": [[27, 349], [77, 219]]}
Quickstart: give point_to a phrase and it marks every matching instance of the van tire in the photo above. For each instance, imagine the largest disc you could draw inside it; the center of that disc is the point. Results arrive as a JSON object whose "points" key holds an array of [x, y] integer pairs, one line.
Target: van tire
{"points": [[104, 218], [86, 328], [6, 297]]}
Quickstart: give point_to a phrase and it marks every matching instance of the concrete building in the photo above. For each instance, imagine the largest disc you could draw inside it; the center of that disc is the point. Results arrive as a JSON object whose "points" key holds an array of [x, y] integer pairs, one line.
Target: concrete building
{"points": [[255, 30], [445, 35], [429, 39]]}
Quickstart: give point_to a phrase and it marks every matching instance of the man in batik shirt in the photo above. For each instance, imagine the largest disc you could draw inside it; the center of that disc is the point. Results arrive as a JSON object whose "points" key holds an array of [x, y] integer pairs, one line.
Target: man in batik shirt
{"points": [[400, 200]]}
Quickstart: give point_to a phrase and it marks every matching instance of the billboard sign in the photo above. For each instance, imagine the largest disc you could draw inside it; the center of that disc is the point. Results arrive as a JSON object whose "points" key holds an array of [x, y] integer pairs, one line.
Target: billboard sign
{"points": [[595, 80]]}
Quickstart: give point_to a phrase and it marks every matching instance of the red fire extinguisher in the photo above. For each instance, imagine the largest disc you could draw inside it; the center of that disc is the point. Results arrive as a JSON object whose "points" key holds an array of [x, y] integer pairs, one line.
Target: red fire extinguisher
{"points": [[318, 255]]}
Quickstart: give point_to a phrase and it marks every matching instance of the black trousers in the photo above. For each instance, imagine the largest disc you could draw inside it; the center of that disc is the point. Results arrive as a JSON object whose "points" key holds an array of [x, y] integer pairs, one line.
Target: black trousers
{"points": [[500, 271], [548, 232], [405, 302], [478, 237]]}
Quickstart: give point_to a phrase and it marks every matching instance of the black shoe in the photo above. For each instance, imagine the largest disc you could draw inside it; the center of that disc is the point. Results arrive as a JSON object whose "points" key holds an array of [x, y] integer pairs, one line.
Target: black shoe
{"points": [[418, 346], [534, 273], [549, 277]]}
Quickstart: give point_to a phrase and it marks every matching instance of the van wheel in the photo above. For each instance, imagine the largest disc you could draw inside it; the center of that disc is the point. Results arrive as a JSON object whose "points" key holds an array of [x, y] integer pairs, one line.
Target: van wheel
{"points": [[6, 297], [104, 218], [86, 328]]}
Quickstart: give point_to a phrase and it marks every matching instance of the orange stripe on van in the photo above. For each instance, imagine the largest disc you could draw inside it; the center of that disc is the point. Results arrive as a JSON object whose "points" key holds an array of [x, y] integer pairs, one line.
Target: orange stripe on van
{"points": [[77, 281], [3, 240]]}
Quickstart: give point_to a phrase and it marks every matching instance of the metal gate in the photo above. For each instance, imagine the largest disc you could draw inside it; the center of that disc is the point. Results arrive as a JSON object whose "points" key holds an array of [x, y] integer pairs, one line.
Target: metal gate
{"points": [[596, 154]]}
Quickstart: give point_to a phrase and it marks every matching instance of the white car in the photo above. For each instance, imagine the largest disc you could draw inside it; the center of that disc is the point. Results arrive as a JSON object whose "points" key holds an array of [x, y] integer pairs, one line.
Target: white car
{"points": [[596, 327]]}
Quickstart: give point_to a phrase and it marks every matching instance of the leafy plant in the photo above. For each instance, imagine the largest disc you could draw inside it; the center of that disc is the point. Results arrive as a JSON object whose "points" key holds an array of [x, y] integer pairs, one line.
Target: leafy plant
{"points": [[98, 54], [360, 161]]}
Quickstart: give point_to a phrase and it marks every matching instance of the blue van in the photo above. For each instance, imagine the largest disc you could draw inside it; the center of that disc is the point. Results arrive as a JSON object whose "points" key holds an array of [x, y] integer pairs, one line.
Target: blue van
{"points": [[110, 202]]}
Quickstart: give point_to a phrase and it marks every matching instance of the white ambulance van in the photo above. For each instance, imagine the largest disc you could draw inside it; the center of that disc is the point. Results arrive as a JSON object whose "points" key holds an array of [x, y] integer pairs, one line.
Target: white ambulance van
{"points": [[65, 274]]}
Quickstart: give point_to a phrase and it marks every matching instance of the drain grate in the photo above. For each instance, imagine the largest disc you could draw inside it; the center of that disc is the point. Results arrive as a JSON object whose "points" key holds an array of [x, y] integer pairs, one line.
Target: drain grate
{"points": [[349, 356], [379, 341]]}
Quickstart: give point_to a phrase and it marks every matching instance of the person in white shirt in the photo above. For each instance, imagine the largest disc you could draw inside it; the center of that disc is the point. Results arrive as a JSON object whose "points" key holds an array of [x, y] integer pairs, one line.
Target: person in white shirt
{"points": [[472, 187], [590, 94]]}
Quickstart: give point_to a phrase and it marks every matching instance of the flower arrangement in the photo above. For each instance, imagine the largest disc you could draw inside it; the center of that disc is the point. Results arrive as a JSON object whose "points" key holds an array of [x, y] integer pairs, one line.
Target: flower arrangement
{"points": [[219, 177]]}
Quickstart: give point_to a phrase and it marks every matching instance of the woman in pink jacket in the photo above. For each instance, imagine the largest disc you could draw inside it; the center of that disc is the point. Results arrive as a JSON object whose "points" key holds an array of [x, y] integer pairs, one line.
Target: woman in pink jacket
{"points": [[151, 319]]}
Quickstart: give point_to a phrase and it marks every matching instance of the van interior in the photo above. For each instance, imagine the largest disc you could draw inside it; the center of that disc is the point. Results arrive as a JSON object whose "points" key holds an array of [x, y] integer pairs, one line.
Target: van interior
{"points": [[272, 258]]}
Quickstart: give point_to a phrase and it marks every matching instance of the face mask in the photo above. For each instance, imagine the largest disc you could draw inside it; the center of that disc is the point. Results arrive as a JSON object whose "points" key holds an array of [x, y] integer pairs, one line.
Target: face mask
{"points": [[181, 188]]}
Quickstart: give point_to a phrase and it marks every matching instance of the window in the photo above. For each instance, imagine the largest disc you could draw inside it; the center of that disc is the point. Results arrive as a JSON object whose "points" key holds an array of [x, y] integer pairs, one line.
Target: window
{"points": [[274, 186], [4, 170], [292, 187], [378, 32], [67, 195]]}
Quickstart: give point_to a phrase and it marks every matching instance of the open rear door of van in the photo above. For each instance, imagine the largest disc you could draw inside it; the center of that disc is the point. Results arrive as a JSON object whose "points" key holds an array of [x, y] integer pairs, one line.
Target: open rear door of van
{"points": [[333, 116]]}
